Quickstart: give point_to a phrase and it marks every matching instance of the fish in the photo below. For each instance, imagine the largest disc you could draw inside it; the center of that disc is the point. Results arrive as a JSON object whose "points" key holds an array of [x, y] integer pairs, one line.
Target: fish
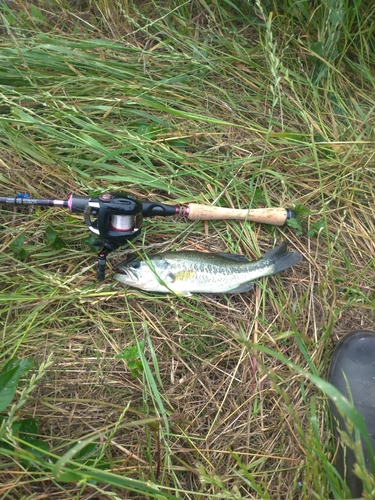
{"points": [[186, 272]]}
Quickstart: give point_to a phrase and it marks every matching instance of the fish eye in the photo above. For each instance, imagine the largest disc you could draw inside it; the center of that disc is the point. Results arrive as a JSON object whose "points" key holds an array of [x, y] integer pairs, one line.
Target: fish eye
{"points": [[135, 265]]}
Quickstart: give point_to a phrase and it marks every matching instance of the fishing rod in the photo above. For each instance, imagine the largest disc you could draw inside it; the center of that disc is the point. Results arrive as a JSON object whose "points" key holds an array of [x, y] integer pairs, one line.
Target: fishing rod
{"points": [[117, 217]]}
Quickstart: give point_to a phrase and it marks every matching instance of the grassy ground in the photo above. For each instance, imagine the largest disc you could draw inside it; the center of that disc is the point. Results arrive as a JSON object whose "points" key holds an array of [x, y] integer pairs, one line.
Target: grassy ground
{"points": [[135, 395]]}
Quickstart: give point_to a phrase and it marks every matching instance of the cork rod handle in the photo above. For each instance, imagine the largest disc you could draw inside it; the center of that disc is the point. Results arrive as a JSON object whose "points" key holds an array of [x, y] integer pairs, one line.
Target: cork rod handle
{"points": [[274, 216]]}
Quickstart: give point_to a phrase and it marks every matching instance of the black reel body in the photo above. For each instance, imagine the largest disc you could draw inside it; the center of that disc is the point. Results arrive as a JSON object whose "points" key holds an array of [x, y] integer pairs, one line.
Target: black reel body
{"points": [[118, 220]]}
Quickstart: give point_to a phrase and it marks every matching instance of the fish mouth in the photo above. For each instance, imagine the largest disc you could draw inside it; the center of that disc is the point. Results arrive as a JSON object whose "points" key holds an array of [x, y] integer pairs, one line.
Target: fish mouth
{"points": [[126, 276]]}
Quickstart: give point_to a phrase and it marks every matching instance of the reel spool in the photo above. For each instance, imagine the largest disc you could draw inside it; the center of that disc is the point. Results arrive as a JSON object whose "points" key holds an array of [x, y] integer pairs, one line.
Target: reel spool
{"points": [[118, 220]]}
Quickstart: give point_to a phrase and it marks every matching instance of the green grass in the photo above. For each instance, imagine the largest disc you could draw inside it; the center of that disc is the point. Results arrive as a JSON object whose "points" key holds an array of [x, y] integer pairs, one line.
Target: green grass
{"points": [[235, 103]]}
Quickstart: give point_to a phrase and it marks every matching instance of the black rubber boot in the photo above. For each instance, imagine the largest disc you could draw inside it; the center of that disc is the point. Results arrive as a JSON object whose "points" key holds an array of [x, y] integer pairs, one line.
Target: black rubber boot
{"points": [[354, 355]]}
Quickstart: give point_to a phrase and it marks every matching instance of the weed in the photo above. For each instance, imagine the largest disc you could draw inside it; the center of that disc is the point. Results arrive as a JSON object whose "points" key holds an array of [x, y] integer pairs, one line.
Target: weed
{"points": [[131, 356]]}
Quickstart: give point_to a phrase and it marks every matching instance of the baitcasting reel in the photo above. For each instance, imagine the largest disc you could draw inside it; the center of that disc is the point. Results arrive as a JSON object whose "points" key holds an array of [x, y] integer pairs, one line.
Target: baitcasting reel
{"points": [[119, 218]]}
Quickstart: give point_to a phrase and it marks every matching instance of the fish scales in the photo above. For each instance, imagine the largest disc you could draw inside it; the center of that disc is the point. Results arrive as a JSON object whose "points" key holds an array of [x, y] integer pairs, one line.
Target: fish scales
{"points": [[188, 272]]}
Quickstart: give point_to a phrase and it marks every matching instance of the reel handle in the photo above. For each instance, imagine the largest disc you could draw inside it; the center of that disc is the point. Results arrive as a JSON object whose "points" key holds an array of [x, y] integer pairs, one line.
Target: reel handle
{"points": [[274, 216]]}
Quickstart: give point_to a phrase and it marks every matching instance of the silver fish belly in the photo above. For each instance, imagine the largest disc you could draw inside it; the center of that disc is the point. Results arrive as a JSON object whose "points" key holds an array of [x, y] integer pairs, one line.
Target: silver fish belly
{"points": [[188, 272]]}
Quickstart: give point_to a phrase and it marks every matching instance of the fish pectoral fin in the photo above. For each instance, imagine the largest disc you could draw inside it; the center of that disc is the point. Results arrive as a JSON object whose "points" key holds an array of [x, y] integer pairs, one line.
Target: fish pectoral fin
{"points": [[244, 287], [176, 278], [179, 276], [169, 278]]}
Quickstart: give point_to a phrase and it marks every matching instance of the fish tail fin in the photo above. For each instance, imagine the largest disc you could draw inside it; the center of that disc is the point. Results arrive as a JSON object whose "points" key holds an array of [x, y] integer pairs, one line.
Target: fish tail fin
{"points": [[282, 259]]}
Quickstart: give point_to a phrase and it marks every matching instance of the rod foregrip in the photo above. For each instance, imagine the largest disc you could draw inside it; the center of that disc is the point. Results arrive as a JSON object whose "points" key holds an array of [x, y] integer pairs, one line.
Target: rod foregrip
{"points": [[274, 216]]}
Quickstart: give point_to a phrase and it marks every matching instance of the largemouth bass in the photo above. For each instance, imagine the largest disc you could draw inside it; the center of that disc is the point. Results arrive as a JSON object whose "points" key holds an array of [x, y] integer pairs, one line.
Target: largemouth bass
{"points": [[188, 272]]}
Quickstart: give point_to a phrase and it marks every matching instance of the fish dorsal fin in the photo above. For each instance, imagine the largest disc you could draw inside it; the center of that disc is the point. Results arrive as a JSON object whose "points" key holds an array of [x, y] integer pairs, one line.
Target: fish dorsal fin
{"points": [[233, 256]]}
